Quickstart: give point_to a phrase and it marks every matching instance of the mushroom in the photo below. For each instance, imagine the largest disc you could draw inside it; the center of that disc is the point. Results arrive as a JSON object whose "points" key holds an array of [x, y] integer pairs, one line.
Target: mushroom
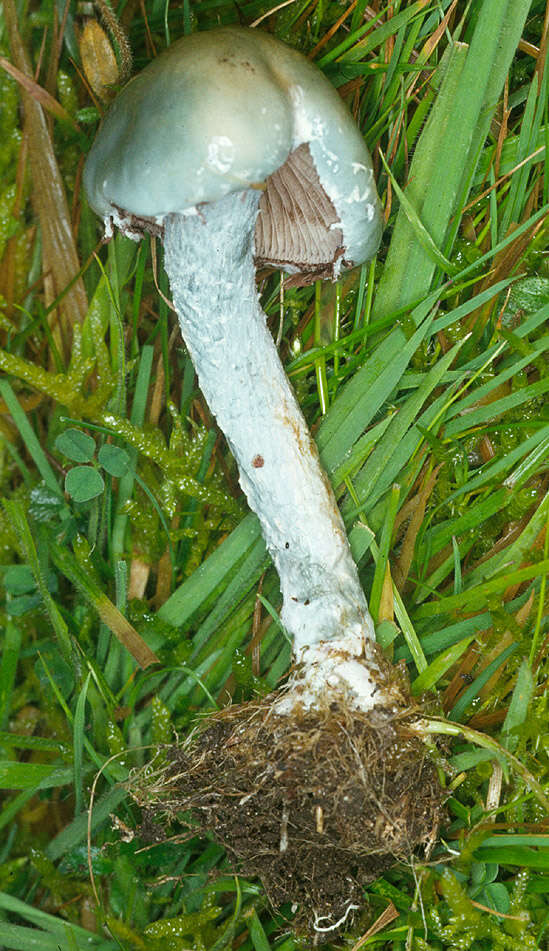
{"points": [[237, 151]]}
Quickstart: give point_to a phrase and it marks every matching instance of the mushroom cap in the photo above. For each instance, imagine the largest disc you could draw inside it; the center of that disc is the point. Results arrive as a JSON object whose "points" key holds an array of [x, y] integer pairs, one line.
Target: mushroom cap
{"points": [[226, 110]]}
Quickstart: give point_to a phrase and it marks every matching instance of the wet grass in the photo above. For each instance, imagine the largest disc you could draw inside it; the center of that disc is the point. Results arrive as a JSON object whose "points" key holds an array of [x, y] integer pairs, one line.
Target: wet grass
{"points": [[136, 591]]}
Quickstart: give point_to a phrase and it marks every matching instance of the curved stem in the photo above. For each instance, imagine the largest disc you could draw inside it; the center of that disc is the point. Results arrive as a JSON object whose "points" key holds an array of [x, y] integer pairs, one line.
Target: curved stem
{"points": [[209, 261]]}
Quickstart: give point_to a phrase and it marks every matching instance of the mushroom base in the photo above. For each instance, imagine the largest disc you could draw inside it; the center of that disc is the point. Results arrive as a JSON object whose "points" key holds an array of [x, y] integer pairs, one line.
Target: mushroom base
{"points": [[317, 805]]}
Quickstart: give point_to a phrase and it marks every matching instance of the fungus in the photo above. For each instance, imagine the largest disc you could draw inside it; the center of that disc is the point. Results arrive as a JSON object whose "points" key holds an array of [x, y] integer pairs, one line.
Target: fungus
{"points": [[237, 151]]}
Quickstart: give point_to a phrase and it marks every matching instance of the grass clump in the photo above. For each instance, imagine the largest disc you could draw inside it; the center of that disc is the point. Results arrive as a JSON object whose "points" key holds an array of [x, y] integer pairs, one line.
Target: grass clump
{"points": [[136, 591]]}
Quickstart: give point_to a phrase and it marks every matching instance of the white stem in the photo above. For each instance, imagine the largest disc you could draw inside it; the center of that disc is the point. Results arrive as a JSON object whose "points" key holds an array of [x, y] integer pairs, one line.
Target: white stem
{"points": [[209, 261]]}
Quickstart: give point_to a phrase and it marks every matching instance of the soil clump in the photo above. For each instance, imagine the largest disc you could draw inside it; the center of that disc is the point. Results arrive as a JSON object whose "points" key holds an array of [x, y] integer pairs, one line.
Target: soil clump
{"points": [[317, 804]]}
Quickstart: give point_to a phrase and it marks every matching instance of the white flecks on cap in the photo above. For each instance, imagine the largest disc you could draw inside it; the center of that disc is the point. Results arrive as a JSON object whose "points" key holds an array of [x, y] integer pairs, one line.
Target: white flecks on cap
{"points": [[221, 154]]}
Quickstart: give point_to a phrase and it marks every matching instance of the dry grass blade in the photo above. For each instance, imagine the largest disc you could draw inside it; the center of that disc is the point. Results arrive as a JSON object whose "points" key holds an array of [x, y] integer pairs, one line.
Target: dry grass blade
{"points": [[333, 29], [108, 612], [414, 510], [385, 919], [41, 95], [60, 263]]}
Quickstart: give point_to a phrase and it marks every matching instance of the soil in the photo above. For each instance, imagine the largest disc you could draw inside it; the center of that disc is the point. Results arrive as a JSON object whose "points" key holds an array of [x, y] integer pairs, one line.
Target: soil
{"points": [[317, 805]]}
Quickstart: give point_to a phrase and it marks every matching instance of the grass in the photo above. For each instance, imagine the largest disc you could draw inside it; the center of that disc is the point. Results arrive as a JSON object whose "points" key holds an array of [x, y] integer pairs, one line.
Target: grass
{"points": [[136, 591]]}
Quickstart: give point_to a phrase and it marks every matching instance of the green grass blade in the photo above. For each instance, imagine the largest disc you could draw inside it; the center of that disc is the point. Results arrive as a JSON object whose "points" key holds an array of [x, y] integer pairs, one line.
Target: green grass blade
{"points": [[188, 599], [137, 417], [449, 148], [475, 597], [257, 933], [30, 775], [78, 727], [66, 562], [369, 482], [458, 710], [409, 268], [52, 927], [356, 50], [29, 438], [429, 677], [420, 231], [361, 399], [8, 668], [16, 741], [518, 707], [16, 514]]}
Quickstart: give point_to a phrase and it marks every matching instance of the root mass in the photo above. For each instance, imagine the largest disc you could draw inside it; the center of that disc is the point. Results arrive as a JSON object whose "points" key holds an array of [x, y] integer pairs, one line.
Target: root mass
{"points": [[316, 805]]}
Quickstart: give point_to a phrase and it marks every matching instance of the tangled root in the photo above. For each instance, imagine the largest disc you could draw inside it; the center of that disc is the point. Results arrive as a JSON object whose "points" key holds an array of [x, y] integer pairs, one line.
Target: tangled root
{"points": [[316, 804]]}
